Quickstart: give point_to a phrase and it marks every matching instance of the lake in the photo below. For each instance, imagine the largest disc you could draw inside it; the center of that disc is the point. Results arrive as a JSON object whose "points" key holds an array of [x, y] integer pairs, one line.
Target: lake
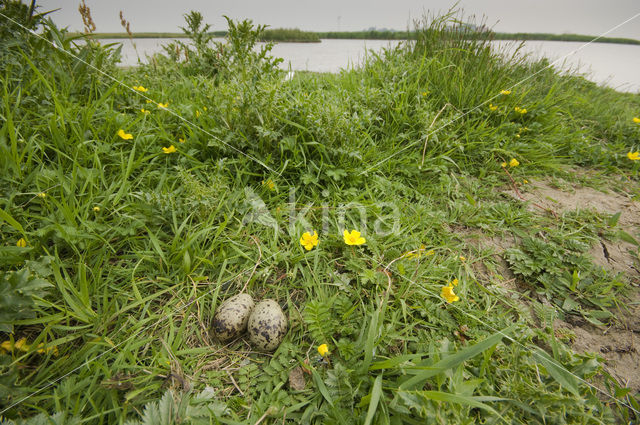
{"points": [[616, 65]]}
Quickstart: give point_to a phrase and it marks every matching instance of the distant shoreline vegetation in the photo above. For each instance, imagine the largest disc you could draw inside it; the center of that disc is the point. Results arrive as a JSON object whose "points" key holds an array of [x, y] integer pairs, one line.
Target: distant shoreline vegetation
{"points": [[284, 35], [561, 37]]}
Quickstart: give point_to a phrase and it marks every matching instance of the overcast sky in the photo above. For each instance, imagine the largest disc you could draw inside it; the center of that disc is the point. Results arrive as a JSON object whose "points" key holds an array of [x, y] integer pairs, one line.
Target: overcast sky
{"points": [[592, 17]]}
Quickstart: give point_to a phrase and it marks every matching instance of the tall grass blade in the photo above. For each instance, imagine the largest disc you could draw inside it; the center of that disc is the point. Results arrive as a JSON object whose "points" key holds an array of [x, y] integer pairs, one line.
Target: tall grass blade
{"points": [[471, 401], [449, 362], [376, 393], [321, 387], [11, 221], [557, 372]]}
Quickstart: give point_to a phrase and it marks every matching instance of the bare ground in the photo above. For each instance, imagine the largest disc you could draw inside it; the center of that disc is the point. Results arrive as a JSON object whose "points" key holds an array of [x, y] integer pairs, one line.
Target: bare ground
{"points": [[618, 344], [614, 255]]}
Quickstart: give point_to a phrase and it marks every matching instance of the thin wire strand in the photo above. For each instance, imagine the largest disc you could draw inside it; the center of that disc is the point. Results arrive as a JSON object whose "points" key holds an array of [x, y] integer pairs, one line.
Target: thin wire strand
{"points": [[498, 95], [191, 123]]}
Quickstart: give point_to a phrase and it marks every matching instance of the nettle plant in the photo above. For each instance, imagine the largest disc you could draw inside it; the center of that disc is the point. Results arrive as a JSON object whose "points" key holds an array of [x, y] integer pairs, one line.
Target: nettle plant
{"points": [[238, 55]]}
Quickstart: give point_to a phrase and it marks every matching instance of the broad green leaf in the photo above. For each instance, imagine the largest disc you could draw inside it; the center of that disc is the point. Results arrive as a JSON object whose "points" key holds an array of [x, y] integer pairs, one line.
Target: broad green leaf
{"points": [[570, 305], [391, 363], [613, 220], [376, 392], [628, 238], [321, 387], [455, 359], [155, 242], [17, 292], [565, 378], [369, 344], [471, 401], [470, 198], [12, 222]]}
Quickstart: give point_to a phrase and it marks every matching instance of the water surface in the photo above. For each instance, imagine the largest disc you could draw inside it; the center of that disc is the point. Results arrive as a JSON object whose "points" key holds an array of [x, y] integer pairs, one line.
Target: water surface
{"points": [[616, 65]]}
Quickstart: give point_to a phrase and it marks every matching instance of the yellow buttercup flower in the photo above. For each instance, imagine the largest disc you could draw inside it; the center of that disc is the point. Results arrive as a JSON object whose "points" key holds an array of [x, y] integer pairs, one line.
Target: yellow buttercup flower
{"points": [[163, 105], [269, 183], [20, 345], [123, 135], [493, 107], [634, 156], [148, 100], [505, 92], [503, 164], [448, 295], [463, 259], [454, 282], [420, 252], [5, 346], [139, 88], [42, 349], [323, 350], [21, 243], [308, 241], [520, 110], [198, 114], [514, 162], [170, 149], [204, 108], [181, 140], [41, 195], [144, 111], [636, 120], [96, 209], [353, 238]]}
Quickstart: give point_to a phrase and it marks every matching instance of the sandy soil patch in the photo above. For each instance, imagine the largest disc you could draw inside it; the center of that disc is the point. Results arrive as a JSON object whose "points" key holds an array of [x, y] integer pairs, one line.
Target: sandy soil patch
{"points": [[618, 344], [618, 255]]}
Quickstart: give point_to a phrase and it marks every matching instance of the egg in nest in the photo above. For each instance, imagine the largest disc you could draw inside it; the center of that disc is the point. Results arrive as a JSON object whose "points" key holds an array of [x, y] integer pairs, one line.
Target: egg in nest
{"points": [[232, 316], [267, 325]]}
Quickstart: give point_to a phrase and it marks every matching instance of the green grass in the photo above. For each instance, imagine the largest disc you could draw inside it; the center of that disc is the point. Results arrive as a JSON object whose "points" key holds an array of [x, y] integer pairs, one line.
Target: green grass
{"points": [[130, 250]]}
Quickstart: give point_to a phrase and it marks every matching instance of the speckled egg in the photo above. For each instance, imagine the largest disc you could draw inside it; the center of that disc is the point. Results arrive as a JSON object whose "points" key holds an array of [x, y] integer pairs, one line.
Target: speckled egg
{"points": [[232, 317], [267, 325]]}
